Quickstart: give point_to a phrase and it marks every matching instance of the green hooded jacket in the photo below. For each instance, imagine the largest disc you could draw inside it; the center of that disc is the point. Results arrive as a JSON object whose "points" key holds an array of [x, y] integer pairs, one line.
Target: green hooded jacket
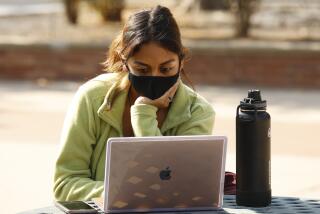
{"points": [[91, 120]]}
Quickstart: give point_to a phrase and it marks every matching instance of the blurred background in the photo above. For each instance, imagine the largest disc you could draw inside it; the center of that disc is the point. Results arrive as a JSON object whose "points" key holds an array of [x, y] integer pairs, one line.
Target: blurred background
{"points": [[48, 48]]}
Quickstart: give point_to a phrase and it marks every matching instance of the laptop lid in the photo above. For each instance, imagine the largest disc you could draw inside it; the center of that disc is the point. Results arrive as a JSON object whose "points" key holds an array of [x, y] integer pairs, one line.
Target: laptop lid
{"points": [[173, 173]]}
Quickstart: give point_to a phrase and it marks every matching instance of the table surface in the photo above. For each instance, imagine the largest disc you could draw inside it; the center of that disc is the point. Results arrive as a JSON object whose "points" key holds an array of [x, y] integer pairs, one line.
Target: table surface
{"points": [[279, 205]]}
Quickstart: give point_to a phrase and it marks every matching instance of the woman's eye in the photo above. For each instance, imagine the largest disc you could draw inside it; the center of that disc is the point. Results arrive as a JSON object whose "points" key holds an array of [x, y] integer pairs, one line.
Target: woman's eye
{"points": [[164, 70], [142, 70]]}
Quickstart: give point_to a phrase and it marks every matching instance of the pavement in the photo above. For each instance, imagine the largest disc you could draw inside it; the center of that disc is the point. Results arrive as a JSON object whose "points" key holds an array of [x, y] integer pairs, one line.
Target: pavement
{"points": [[32, 113]]}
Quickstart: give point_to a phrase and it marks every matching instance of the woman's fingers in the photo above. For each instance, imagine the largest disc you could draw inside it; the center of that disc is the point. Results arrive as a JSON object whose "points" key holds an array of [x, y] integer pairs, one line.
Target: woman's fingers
{"points": [[161, 102], [167, 97], [143, 100], [170, 93]]}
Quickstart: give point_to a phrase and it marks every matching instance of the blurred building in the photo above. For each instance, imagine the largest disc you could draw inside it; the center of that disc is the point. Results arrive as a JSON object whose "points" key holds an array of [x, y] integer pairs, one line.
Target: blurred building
{"points": [[280, 47]]}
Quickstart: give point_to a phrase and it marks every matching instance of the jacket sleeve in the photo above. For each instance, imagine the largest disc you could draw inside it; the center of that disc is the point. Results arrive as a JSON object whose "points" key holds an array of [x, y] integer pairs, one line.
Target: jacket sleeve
{"points": [[144, 120], [73, 178], [200, 123]]}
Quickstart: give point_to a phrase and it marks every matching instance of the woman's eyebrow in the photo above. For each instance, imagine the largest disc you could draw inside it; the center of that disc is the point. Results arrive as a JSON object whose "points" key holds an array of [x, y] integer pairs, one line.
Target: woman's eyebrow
{"points": [[166, 62], [141, 63]]}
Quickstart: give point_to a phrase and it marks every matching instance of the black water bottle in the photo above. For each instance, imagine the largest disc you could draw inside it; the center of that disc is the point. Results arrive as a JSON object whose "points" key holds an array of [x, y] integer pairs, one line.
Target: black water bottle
{"points": [[253, 164]]}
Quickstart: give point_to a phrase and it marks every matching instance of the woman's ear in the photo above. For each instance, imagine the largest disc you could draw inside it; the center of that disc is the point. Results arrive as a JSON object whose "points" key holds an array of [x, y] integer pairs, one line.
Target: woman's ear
{"points": [[125, 68]]}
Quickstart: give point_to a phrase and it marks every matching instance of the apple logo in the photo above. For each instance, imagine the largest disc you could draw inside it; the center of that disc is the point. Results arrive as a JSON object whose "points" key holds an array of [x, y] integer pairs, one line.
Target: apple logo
{"points": [[165, 174]]}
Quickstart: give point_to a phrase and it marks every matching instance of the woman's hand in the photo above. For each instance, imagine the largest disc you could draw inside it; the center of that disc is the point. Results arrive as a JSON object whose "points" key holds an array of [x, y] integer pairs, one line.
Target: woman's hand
{"points": [[161, 102]]}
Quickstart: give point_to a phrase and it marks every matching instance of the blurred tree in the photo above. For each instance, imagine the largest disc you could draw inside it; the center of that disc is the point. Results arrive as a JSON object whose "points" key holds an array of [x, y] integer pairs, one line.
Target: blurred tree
{"points": [[243, 10], [71, 8], [109, 9], [214, 5]]}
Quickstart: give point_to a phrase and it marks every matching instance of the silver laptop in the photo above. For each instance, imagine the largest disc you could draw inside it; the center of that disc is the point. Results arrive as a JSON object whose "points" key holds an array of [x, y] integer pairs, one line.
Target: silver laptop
{"points": [[175, 173]]}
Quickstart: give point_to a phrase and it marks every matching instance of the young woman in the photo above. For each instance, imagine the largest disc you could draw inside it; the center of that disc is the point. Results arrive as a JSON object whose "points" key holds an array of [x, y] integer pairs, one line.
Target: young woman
{"points": [[141, 95]]}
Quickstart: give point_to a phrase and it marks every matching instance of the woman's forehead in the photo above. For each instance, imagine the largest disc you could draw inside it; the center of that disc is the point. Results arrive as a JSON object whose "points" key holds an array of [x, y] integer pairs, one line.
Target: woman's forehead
{"points": [[153, 53]]}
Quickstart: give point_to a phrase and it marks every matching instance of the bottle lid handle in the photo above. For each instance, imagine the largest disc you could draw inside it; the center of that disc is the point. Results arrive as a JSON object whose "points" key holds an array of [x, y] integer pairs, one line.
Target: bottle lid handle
{"points": [[255, 111]]}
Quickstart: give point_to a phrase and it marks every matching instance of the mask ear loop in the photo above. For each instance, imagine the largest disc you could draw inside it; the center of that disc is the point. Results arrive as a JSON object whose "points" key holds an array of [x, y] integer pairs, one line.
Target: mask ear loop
{"points": [[124, 62], [180, 59], [128, 70], [181, 56]]}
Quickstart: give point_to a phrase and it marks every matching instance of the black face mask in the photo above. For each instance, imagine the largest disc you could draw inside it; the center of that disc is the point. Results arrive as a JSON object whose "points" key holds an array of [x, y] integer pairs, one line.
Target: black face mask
{"points": [[152, 87]]}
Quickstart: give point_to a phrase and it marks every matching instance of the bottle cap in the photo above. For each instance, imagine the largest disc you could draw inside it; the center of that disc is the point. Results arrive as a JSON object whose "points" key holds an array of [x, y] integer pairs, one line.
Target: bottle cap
{"points": [[253, 101]]}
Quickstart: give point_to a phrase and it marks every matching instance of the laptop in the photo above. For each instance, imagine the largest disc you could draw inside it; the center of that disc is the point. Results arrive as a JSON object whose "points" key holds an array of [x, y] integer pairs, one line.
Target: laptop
{"points": [[176, 173]]}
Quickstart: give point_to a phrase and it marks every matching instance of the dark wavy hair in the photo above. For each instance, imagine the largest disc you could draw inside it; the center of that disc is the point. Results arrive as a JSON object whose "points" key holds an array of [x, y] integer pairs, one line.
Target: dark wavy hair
{"points": [[152, 25]]}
